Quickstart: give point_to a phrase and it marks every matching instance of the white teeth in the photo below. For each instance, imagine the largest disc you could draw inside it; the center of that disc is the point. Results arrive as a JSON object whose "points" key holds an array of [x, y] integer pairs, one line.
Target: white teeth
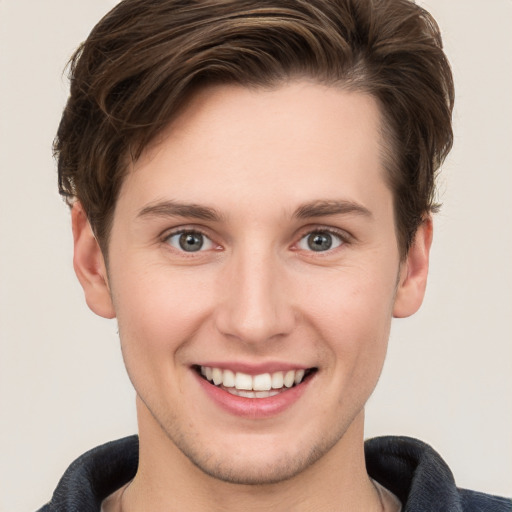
{"points": [[243, 381], [228, 379], [289, 379], [277, 380], [252, 386], [262, 382], [217, 376], [241, 392], [252, 394]]}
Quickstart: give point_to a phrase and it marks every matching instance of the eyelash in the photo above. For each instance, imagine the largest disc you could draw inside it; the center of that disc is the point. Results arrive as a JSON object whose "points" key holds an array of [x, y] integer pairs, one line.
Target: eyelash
{"points": [[342, 236], [191, 231]]}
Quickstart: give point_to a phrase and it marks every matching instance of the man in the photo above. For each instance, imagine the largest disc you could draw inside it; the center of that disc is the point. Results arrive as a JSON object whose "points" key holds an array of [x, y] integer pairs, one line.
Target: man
{"points": [[251, 187]]}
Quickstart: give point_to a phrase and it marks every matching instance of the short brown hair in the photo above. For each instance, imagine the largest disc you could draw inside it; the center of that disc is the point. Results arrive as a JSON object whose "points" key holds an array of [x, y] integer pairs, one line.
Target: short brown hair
{"points": [[145, 57]]}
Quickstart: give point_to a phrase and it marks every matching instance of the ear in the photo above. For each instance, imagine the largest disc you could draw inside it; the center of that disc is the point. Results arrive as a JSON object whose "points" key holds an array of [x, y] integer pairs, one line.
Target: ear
{"points": [[89, 265], [413, 272]]}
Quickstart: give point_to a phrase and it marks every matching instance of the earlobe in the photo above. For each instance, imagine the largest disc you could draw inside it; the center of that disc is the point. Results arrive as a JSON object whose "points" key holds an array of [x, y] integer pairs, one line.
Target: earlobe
{"points": [[89, 265], [414, 272]]}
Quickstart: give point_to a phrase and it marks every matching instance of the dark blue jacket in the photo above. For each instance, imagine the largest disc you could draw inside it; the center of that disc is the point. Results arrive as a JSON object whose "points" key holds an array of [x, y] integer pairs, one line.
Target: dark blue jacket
{"points": [[410, 469]]}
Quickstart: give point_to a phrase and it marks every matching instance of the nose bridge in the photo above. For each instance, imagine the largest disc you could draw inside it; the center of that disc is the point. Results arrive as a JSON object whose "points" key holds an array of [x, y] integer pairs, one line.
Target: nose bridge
{"points": [[256, 307]]}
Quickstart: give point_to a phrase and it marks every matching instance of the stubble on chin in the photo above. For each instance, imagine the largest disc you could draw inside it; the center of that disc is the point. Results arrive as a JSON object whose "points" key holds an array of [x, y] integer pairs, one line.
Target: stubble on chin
{"points": [[234, 468]]}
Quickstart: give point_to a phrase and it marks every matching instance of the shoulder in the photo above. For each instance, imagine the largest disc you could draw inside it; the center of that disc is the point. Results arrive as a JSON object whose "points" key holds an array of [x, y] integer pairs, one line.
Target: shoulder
{"points": [[473, 501], [94, 476], [422, 480]]}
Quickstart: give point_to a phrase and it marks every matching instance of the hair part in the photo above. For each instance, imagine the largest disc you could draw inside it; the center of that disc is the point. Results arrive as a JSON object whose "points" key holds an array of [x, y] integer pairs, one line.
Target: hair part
{"points": [[145, 58]]}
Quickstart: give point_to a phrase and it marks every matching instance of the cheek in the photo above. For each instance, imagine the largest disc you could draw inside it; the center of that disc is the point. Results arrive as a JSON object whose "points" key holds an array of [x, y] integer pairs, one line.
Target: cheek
{"points": [[158, 314], [352, 314], [158, 310], [351, 300]]}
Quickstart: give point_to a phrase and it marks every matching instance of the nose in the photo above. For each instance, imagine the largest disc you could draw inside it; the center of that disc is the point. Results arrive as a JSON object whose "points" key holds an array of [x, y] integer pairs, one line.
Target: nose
{"points": [[255, 305]]}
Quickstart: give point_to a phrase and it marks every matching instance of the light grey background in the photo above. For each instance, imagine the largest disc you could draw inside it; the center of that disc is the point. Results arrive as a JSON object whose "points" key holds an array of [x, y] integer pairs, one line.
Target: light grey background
{"points": [[63, 388]]}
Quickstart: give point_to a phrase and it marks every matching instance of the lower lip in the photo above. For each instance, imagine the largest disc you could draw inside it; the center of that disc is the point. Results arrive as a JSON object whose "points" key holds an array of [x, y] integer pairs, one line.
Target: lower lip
{"points": [[254, 408]]}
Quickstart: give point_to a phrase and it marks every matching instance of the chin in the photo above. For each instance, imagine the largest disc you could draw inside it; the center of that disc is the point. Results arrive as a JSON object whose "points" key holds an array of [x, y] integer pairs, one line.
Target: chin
{"points": [[256, 461], [248, 471]]}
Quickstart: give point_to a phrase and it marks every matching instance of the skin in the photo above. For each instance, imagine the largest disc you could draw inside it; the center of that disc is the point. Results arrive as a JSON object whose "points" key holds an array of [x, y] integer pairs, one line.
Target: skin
{"points": [[255, 293]]}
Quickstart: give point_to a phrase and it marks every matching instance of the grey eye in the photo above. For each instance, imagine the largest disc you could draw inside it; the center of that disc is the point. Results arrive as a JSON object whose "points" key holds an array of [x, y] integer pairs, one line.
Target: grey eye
{"points": [[319, 241], [190, 241]]}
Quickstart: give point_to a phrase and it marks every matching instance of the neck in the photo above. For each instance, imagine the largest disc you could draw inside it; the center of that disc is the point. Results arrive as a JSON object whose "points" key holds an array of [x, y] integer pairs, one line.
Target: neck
{"points": [[338, 481]]}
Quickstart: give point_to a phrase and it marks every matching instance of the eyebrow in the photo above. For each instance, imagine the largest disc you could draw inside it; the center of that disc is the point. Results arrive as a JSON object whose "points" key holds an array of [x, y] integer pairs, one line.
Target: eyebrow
{"points": [[320, 208], [177, 209], [330, 207]]}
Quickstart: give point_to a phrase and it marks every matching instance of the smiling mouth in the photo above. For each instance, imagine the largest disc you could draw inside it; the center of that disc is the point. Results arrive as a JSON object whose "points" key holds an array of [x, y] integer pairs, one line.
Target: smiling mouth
{"points": [[263, 385]]}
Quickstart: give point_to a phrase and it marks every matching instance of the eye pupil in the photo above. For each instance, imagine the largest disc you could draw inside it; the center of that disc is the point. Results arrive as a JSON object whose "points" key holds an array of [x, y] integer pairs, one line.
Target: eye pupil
{"points": [[319, 241], [191, 242]]}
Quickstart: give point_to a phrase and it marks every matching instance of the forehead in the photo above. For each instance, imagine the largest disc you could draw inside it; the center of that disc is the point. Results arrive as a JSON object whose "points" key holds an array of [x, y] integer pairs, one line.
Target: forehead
{"points": [[284, 144]]}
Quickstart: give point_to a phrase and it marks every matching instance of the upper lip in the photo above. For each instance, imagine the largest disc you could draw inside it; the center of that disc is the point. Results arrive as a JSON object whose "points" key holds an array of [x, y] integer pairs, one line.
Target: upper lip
{"points": [[253, 368]]}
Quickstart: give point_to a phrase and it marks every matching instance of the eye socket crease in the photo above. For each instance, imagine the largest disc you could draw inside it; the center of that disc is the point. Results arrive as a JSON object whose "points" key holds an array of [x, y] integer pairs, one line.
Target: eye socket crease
{"points": [[310, 210], [327, 240], [184, 238], [191, 239]]}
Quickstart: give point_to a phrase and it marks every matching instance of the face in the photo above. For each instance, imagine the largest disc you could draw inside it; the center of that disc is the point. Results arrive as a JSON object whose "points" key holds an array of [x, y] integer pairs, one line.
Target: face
{"points": [[254, 272]]}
